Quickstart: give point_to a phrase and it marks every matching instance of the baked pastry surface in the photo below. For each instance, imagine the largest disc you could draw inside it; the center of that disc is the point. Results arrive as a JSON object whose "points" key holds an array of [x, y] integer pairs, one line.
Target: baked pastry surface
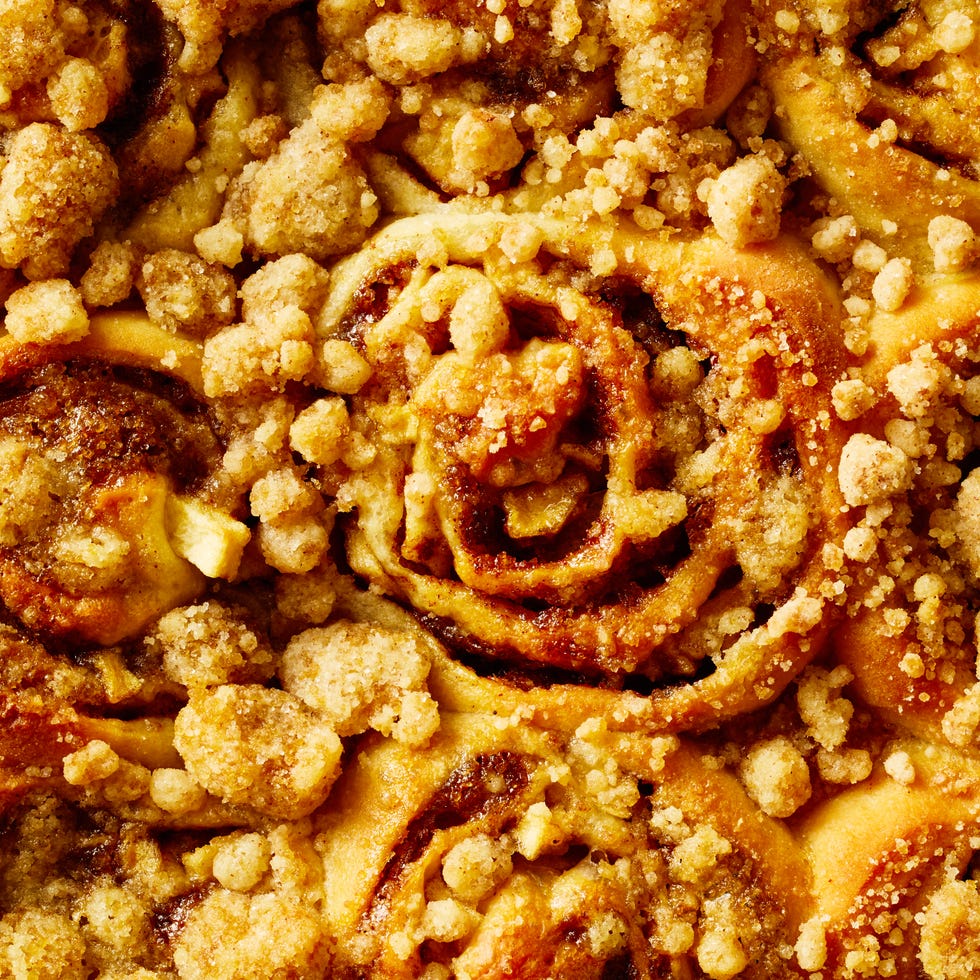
{"points": [[489, 490]]}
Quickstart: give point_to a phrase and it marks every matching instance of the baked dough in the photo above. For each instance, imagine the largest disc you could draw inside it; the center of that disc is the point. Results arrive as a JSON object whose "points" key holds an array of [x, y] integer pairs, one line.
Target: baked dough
{"points": [[489, 489]]}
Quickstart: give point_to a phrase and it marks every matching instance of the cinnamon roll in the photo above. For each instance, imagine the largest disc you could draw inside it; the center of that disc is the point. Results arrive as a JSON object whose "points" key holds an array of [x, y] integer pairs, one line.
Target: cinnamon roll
{"points": [[510, 852], [112, 510], [892, 869], [878, 100], [489, 490], [609, 476]]}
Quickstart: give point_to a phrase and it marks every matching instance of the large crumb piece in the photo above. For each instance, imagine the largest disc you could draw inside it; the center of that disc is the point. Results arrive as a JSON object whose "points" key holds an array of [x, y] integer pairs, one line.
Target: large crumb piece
{"points": [[211, 644], [47, 312], [826, 714], [871, 470], [111, 274], [231, 936], [953, 243], [918, 383], [746, 200], [405, 48], [294, 280], [893, 283], [949, 947], [53, 188], [260, 748], [720, 951], [476, 865], [666, 54], [249, 356], [776, 776], [182, 292], [360, 676], [310, 196]]}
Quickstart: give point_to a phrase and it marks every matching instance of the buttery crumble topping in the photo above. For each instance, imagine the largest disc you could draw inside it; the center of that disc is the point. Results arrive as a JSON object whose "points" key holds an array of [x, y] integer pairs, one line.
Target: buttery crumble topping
{"points": [[489, 488]]}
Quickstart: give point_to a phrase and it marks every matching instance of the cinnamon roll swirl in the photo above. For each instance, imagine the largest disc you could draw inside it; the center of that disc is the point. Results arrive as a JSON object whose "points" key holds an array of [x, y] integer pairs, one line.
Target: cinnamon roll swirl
{"points": [[489, 490], [112, 510], [506, 852], [878, 99], [613, 480], [908, 477]]}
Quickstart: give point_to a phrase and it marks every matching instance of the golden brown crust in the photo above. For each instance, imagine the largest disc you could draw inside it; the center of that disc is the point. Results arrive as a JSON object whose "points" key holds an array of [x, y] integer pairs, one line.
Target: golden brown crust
{"points": [[489, 490], [582, 619], [875, 97]]}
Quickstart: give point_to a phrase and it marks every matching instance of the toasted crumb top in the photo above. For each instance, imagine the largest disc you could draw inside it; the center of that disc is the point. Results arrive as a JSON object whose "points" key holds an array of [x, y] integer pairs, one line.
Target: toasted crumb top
{"points": [[489, 489]]}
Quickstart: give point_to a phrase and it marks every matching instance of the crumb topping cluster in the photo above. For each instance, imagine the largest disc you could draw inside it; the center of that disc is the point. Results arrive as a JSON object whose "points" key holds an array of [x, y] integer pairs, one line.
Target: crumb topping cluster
{"points": [[489, 489]]}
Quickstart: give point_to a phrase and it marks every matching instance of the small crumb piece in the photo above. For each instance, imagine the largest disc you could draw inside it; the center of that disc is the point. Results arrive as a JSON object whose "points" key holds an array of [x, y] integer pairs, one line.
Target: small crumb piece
{"points": [[94, 762], [844, 766], [835, 239], [291, 281], [175, 791], [899, 766], [918, 383], [860, 543], [359, 676], [484, 145], [776, 776], [961, 722], [872, 471], [911, 437], [893, 284], [116, 917], [955, 32], [696, 858], [953, 243], [537, 832], [221, 242], [210, 644], [446, 920], [811, 946], [183, 292], [319, 432], [110, 276], [241, 862], [852, 398], [46, 312], [721, 952], [404, 48], [78, 94], [745, 201], [826, 714], [474, 866], [869, 256], [268, 354], [354, 111], [966, 514], [341, 368], [787, 20]]}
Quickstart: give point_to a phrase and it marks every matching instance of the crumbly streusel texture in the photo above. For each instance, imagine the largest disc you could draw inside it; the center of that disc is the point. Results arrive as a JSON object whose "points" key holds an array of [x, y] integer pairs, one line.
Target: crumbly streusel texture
{"points": [[489, 489]]}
